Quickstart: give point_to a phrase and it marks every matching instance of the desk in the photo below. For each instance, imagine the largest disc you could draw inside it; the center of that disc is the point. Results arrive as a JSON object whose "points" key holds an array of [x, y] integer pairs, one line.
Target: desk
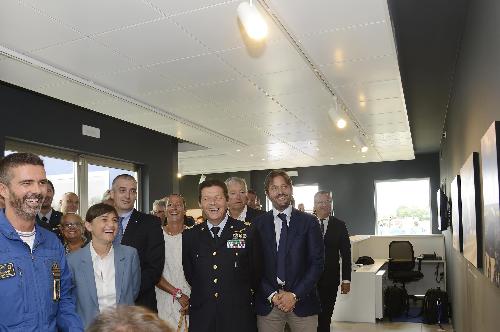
{"points": [[364, 303]]}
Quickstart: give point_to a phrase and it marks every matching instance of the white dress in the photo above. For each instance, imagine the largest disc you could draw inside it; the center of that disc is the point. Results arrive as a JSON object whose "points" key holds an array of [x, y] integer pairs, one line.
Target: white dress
{"points": [[173, 272]]}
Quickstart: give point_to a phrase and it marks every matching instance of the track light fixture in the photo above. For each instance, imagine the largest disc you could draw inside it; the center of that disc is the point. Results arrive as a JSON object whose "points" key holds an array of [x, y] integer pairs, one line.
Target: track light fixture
{"points": [[253, 22], [337, 116]]}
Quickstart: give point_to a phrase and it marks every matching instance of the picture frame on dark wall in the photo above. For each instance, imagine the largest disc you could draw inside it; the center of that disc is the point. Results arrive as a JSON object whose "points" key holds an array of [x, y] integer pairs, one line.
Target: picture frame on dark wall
{"points": [[490, 164], [456, 214], [442, 209], [472, 211]]}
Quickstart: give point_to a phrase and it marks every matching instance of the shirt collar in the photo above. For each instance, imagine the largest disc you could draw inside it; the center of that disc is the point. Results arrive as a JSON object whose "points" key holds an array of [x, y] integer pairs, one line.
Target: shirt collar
{"points": [[94, 254], [127, 215], [287, 211], [221, 225], [48, 215]]}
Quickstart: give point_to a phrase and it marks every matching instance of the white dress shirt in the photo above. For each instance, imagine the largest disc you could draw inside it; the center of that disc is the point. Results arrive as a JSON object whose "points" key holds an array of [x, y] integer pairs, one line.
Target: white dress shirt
{"points": [[243, 214], [104, 275]]}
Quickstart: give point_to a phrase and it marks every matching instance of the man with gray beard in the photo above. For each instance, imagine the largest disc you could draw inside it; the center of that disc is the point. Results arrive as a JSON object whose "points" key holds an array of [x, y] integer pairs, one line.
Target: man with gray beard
{"points": [[35, 282]]}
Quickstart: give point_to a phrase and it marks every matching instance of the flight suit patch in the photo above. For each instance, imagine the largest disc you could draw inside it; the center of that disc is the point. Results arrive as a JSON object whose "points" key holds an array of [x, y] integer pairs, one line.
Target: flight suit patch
{"points": [[7, 270]]}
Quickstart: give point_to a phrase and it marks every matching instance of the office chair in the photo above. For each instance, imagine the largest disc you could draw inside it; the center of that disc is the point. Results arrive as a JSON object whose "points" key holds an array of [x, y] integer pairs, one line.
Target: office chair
{"points": [[402, 264]]}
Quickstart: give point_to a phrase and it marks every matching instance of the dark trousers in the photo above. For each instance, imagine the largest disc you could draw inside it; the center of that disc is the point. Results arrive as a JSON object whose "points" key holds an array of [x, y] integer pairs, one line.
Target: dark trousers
{"points": [[327, 296]]}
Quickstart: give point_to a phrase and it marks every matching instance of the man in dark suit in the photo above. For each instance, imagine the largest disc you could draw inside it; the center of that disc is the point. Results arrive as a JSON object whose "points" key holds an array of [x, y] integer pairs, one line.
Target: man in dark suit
{"points": [[47, 217], [292, 262], [143, 232], [337, 244], [217, 257], [238, 199]]}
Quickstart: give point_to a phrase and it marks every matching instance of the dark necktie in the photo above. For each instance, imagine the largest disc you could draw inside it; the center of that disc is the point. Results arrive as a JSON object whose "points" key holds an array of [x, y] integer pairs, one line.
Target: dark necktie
{"points": [[215, 231], [322, 225], [282, 248], [119, 234], [44, 219]]}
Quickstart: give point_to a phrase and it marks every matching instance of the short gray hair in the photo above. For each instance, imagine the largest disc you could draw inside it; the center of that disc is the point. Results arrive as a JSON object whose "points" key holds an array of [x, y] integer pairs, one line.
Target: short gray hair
{"points": [[237, 180], [160, 202]]}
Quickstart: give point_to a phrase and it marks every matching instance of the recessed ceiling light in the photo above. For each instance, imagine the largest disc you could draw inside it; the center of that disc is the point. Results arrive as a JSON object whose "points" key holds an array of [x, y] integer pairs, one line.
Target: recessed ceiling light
{"points": [[317, 149], [353, 146], [331, 157], [263, 159], [347, 140], [238, 150], [251, 154], [363, 156], [364, 149]]}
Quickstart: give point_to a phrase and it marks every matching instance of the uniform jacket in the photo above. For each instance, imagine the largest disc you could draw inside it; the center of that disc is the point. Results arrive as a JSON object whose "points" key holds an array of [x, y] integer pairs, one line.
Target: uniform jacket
{"points": [[127, 279], [52, 224], [26, 283], [337, 245], [144, 233], [220, 278], [304, 262]]}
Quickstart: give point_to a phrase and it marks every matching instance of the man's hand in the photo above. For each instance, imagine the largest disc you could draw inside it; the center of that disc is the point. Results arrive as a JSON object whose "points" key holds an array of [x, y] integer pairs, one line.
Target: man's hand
{"points": [[286, 301], [184, 302], [345, 288], [276, 299]]}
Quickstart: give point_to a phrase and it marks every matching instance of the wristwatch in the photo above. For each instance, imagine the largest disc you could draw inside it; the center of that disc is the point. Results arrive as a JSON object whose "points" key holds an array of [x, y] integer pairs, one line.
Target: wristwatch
{"points": [[178, 293]]}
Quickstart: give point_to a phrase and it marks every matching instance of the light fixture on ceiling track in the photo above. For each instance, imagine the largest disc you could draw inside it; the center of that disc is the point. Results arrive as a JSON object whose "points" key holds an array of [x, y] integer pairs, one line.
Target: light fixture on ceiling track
{"points": [[253, 22], [336, 115], [363, 148]]}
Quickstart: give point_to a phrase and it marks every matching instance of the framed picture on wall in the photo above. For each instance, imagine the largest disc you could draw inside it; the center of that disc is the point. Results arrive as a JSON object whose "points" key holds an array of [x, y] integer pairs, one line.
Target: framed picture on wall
{"points": [[491, 202], [456, 214], [470, 188]]}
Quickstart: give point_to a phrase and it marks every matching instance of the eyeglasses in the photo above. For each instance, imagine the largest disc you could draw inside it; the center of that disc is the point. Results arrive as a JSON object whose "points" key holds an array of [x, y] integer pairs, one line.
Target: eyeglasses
{"points": [[71, 225]]}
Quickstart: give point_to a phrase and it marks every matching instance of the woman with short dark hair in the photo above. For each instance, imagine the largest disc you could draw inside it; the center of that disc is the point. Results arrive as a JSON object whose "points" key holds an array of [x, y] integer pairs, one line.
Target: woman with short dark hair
{"points": [[104, 274]]}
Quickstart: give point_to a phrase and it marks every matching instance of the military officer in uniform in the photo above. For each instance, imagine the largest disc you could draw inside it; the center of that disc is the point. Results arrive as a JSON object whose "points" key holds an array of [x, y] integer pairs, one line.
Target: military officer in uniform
{"points": [[218, 259]]}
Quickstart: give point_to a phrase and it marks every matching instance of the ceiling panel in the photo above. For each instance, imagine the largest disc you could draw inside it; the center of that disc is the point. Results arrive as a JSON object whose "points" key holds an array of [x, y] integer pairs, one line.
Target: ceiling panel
{"points": [[84, 57], [197, 70], [163, 39], [275, 57], [349, 44], [94, 16], [313, 16], [33, 31], [370, 69]]}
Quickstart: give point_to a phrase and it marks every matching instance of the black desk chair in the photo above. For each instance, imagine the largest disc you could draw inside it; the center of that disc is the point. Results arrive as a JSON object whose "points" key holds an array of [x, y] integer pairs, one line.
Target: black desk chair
{"points": [[401, 267], [402, 263]]}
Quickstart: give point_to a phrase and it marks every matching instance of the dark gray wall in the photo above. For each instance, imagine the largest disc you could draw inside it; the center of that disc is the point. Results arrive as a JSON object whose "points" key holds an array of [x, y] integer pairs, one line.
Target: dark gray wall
{"points": [[39, 119], [474, 106], [352, 186]]}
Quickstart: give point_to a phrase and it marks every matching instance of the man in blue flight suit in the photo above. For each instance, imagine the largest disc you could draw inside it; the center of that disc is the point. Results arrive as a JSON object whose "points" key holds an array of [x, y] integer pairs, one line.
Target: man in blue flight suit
{"points": [[218, 259], [35, 282]]}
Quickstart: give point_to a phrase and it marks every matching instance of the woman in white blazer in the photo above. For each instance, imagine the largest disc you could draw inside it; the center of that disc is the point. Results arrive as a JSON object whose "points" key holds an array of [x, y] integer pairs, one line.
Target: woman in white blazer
{"points": [[104, 275]]}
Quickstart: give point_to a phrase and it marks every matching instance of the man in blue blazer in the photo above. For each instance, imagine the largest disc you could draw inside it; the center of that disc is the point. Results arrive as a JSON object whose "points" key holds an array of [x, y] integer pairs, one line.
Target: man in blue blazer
{"points": [[292, 262], [100, 265]]}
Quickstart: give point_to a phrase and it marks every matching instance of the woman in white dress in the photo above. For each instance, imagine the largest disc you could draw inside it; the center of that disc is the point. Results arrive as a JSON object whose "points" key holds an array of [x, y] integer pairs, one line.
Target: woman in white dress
{"points": [[173, 291]]}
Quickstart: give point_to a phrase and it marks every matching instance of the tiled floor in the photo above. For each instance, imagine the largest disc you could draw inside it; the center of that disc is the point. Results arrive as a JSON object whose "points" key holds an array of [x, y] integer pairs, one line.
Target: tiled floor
{"points": [[387, 326]]}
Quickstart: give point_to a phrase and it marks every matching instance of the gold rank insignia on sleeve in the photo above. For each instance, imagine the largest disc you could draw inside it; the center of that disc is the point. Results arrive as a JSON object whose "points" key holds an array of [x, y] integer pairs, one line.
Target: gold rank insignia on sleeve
{"points": [[7, 270], [56, 274], [247, 223]]}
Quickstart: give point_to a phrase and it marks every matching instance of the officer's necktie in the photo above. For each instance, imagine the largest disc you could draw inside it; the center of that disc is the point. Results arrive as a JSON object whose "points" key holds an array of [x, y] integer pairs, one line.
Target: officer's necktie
{"points": [[215, 231], [44, 219], [322, 225], [282, 247], [119, 234]]}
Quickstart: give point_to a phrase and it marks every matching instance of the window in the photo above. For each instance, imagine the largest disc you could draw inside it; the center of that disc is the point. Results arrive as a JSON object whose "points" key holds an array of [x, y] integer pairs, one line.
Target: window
{"points": [[403, 207], [87, 176]]}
